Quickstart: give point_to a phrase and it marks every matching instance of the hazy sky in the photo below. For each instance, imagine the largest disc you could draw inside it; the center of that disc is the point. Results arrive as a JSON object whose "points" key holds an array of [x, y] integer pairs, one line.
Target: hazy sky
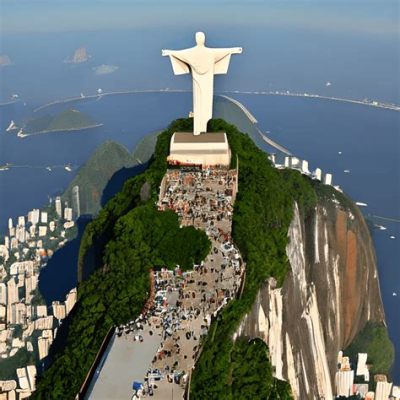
{"points": [[364, 16], [288, 45]]}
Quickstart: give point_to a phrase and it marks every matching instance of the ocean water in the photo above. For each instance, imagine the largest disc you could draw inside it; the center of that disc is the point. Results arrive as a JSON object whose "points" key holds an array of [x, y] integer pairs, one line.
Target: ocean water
{"points": [[313, 129], [126, 119]]}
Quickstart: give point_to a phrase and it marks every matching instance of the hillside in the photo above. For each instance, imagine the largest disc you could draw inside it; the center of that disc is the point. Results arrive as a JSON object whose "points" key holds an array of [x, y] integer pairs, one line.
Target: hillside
{"points": [[64, 121], [272, 331], [106, 170]]}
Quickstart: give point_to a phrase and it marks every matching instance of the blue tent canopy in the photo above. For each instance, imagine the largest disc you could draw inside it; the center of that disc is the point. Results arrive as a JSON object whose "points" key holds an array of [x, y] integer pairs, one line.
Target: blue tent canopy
{"points": [[137, 385]]}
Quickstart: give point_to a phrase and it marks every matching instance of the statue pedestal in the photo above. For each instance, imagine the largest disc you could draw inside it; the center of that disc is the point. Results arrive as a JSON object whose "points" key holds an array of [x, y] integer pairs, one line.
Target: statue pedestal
{"points": [[206, 149]]}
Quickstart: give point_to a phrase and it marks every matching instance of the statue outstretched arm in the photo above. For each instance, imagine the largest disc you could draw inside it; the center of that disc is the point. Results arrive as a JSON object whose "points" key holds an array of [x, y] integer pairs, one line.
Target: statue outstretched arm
{"points": [[179, 54], [179, 64], [219, 54]]}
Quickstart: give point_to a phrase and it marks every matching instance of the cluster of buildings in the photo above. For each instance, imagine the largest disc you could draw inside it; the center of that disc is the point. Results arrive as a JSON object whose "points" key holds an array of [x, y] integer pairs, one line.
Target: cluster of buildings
{"points": [[302, 166], [27, 325], [350, 382]]}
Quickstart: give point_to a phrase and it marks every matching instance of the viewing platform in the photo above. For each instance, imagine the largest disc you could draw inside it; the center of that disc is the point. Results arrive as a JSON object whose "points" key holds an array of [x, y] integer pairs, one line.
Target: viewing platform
{"points": [[206, 150]]}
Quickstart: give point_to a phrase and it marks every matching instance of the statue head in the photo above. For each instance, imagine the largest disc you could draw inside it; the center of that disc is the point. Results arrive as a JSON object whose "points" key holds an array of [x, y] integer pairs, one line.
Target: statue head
{"points": [[200, 38]]}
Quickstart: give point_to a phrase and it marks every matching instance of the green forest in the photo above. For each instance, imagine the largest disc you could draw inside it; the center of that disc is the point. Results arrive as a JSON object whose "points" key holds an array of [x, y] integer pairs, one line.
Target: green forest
{"points": [[129, 236], [138, 238]]}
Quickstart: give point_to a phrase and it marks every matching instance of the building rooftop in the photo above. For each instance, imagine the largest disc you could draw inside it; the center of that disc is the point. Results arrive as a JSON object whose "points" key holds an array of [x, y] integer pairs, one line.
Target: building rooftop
{"points": [[187, 137]]}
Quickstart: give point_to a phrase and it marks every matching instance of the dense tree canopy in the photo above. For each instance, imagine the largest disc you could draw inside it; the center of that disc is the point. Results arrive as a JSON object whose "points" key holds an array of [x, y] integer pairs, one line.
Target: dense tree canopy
{"points": [[135, 238]]}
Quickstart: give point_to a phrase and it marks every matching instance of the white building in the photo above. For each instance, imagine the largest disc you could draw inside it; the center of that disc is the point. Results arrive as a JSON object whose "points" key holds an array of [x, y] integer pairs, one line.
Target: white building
{"points": [[58, 310], [11, 229], [287, 162], [44, 343], [18, 314], [34, 216], [3, 293], [14, 243], [207, 149], [272, 158], [328, 179], [344, 383], [43, 217], [12, 292], [294, 162], [304, 167], [4, 252], [42, 231], [41, 311], [396, 392], [20, 233], [318, 174], [58, 206], [383, 390], [32, 230], [68, 214], [362, 369], [52, 226], [21, 221], [70, 300], [22, 267]]}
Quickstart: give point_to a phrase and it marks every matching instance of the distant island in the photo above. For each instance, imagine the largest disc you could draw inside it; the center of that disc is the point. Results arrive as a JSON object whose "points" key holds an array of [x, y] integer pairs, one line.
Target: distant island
{"points": [[80, 56], [68, 120], [5, 60]]}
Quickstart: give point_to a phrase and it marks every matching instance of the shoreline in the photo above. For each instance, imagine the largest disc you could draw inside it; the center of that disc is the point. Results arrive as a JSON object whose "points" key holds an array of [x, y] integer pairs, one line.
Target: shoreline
{"points": [[60, 130], [376, 104]]}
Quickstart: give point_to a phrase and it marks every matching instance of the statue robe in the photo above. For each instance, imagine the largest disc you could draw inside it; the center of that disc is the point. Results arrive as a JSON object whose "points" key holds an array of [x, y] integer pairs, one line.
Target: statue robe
{"points": [[204, 63]]}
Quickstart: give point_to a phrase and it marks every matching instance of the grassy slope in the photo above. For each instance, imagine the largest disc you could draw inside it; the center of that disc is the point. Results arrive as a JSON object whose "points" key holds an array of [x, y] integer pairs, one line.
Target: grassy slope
{"points": [[68, 119]]}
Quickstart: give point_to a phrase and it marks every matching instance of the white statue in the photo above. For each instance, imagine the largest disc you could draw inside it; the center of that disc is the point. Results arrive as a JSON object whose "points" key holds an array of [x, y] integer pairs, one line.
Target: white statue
{"points": [[204, 62]]}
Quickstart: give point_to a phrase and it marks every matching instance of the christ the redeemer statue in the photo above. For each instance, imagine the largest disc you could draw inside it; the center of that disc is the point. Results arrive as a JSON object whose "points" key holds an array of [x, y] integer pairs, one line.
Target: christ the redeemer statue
{"points": [[204, 62]]}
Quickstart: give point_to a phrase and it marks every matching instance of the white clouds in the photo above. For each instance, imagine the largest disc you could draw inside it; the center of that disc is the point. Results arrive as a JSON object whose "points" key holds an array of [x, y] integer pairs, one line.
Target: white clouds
{"points": [[104, 69]]}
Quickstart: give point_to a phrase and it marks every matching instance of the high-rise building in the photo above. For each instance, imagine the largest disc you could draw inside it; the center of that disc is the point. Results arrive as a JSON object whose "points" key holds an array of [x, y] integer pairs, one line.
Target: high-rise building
{"points": [[58, 206], [12, 297], [3, 293], [20, 233], [43, 218], [33, 216], [76, 205], [318, 174], [21, 221], [328, 179], [68, 214], [304, 167]]}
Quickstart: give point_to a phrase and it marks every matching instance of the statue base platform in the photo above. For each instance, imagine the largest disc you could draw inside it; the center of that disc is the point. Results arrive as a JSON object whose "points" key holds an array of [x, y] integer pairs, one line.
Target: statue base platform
{"points": [[205, 150]]}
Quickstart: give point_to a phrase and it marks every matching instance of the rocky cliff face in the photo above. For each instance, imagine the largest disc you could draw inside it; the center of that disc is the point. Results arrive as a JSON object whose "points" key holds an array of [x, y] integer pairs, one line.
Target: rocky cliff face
{"points": [[330, 293]]}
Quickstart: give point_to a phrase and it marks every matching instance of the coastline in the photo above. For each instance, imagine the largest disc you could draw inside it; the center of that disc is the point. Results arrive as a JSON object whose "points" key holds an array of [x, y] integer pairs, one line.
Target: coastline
{"points": [[376, 104], [61, 130]]}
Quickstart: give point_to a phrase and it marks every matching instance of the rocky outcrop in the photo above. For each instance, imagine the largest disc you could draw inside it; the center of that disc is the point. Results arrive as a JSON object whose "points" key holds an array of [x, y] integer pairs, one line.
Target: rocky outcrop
{"points": [[80, 56], [330, 293]]}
